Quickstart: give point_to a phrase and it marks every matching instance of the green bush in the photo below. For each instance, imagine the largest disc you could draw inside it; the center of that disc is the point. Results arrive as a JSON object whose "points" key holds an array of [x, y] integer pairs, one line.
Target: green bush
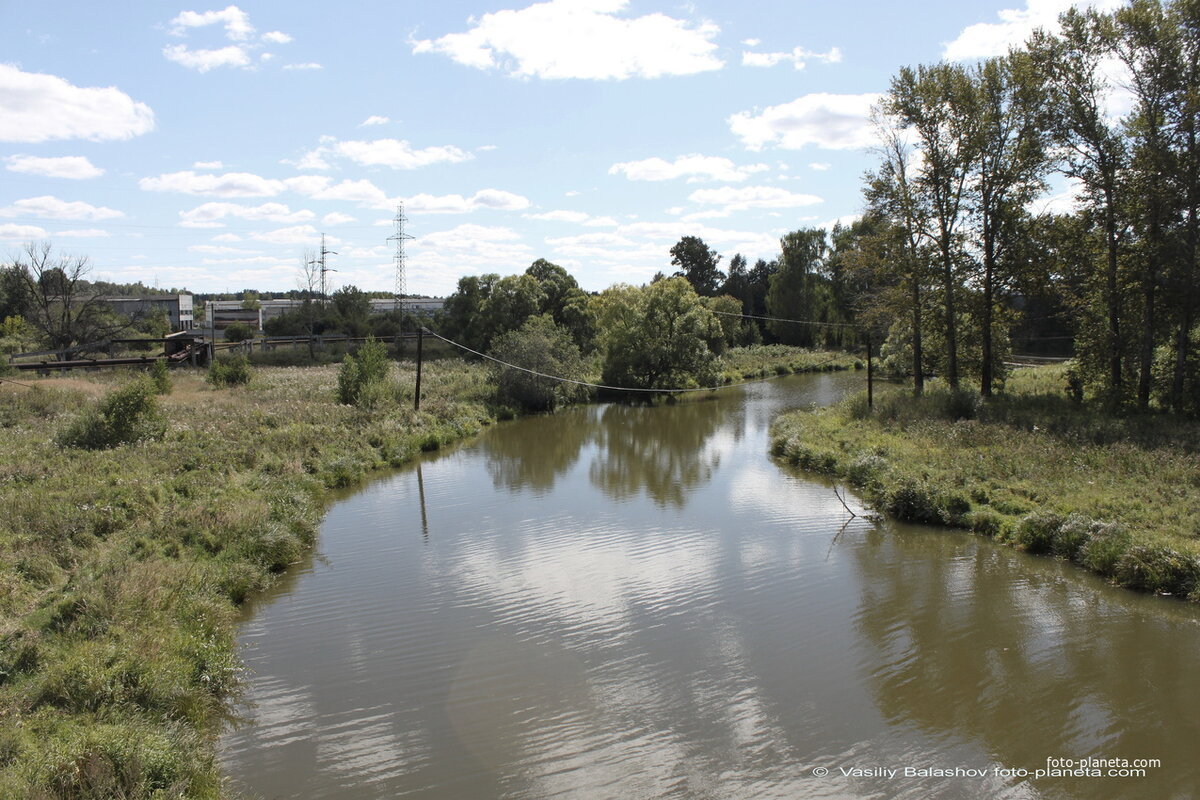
{"points": [[363, 374], [128, 414], [544, 347], [238, 332], [160, 376], [229, 371]]}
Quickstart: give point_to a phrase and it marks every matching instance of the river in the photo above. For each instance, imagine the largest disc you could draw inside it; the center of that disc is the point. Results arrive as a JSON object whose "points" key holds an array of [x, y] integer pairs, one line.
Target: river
{"points": [[633, 602]]}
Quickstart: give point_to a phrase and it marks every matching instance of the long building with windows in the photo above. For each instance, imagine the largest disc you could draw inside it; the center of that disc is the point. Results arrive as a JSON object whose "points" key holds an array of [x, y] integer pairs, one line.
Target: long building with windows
{"points": [[177, 307]]}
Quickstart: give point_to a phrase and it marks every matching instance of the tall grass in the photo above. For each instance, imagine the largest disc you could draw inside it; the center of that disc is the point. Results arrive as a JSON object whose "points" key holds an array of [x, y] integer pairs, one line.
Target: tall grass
{"points": [[121, 568], [1032, 468]]}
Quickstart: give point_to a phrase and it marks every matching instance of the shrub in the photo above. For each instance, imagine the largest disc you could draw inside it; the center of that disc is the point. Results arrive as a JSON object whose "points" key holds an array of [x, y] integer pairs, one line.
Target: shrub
{"points": [[229, 371], [1158, 569], [238, 332], [128, 414], [542, 346], [363, 374], [160, 376]]}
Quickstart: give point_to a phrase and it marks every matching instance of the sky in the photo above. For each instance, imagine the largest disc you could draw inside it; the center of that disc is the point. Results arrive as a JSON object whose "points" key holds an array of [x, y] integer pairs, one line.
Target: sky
{"points": [[209, 146]]}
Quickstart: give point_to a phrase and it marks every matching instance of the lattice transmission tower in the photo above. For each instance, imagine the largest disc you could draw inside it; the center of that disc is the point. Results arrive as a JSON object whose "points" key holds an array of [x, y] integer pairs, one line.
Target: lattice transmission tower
{"points": [[400, 237]]}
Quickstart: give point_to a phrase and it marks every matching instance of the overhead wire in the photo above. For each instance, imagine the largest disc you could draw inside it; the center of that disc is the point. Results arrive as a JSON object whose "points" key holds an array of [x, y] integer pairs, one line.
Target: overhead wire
{"points": [[605, 386]]}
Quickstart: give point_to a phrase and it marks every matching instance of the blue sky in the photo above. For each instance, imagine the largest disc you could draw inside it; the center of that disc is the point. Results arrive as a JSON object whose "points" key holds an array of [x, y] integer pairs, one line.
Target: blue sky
{"points": [[207, 146]]}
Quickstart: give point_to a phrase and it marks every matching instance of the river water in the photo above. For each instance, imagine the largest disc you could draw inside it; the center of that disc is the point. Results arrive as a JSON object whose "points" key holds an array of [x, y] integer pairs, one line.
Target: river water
{"points": [[633, 602]]}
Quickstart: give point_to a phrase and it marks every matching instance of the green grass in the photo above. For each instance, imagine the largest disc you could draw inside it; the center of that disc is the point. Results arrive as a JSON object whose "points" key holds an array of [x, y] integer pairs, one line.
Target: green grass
{"points": [[122, 567], [1118, 495], [765, 360]]}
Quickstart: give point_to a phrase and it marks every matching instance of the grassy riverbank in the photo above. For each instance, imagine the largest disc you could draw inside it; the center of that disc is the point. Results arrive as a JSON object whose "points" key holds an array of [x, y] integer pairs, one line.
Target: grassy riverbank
{"points": [[1118, 496], [121, 569]]}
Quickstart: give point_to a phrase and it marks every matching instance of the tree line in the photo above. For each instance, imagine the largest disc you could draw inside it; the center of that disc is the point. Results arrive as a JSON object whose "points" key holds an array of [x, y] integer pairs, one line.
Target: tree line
{"points": [[951, 245]]}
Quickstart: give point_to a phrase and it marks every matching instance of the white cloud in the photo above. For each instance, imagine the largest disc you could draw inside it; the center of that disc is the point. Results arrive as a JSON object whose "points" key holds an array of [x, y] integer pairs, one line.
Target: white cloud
{"points": [[819, 166], [798, 56], [73, 167], [830, 121], [986, 39], [396, 153], [457, 204], [209, 215], [438, 258], [84, 233], [231, 184], [236, 22], [846, 220], [464, 236], [694, 167], [1063, 202], [581, 39], [297, 234], [577, 217], [305, 66], [237, 30], [337, 218], [219, 250], [636, 250], [362, 192], [48, 207], [11, 232], [208, 165], [742, 198], [227, 237], [374, 119], [205, 60], [247, 260], [752, 42], [35, 107], [571, 193]]}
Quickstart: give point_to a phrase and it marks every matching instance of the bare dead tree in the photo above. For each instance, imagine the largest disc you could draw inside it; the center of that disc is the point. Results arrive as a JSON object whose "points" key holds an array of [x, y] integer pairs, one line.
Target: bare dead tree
{"points": [[309, 282], [63, 305]]}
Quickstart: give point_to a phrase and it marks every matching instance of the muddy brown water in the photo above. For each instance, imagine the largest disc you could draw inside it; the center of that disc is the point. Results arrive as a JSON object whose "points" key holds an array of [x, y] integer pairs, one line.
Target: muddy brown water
{"points": [[634, 602]]}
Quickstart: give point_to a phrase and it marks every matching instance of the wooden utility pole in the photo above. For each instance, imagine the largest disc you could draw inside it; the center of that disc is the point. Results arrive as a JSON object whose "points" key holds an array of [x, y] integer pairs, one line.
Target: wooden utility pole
{"points": [[870, 382], [417, 393]]}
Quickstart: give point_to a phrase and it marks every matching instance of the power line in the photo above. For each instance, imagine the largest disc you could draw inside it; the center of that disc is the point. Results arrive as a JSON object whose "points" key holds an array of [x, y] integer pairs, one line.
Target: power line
{"points": [[781, 319], [604, 386]]}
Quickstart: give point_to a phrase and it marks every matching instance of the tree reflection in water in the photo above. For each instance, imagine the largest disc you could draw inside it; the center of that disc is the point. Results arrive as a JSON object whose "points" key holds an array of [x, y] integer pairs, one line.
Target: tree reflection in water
{"points": [[662, 454], [537, 451], [971, 641]]}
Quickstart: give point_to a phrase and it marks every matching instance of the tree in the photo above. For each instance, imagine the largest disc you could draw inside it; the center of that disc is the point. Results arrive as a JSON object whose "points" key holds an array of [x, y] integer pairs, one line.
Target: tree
{"points": [[511, 301], [556, 283], [1095, 152], [698, 264], [63, 307], [797, 290], [353, 308], [936, 103], [896, 201], [542, 346], [1006, 175], [309, 283], [14, 293], [656, 337]]}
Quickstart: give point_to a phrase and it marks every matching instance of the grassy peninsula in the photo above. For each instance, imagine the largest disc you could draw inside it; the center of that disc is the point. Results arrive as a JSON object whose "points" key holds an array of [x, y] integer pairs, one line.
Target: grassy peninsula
{"points": [[1118, 495]]}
